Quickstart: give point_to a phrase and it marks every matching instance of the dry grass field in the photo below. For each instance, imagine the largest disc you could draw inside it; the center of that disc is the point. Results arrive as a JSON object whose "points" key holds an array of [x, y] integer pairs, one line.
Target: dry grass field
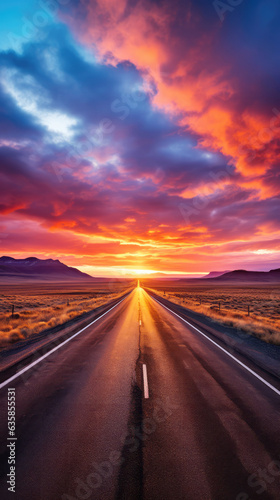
{"points": [[263, 300], [41, 306]]}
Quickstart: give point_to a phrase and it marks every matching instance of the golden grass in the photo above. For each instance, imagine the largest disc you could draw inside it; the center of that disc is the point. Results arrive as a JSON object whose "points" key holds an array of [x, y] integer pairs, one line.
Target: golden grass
{"points": [[264, 301], [37, 308]]}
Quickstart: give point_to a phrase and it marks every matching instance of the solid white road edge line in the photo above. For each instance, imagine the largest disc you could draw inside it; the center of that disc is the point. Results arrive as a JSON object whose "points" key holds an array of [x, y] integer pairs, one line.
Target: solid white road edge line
{"points": [[26, 368], [224, 350], [145, 380]]}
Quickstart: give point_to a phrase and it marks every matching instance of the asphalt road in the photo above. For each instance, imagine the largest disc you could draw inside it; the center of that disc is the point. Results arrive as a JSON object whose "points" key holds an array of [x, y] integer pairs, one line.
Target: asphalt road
{"points": [[140, 405]]}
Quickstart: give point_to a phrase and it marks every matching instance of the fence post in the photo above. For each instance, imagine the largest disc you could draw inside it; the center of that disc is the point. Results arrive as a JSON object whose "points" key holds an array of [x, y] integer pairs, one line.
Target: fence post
{"points": [[248, 310], [13, 309]]}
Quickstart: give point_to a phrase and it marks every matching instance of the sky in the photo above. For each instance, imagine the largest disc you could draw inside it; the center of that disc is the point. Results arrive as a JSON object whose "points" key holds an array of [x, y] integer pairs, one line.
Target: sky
{"points": [[141, 136]]}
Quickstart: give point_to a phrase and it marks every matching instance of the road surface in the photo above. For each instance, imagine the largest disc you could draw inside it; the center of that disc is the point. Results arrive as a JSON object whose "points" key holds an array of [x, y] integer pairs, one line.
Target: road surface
{"points": [[140, 405]]}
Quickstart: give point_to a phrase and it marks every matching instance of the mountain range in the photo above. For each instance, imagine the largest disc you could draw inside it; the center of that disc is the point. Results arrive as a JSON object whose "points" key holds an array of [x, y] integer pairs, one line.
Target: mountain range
{"points": [[214, 274], [241, 275], [54, 270], [38, 269], [238, 276]]}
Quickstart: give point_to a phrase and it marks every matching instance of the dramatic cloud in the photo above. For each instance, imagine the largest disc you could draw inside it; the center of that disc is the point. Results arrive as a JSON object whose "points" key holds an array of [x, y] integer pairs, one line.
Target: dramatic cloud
{"points": [[143, 135], [222, 77]]}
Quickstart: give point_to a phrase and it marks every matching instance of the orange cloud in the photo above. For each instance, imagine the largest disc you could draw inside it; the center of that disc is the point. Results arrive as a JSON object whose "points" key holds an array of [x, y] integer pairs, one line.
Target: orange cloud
{"points": [[188, 82]]}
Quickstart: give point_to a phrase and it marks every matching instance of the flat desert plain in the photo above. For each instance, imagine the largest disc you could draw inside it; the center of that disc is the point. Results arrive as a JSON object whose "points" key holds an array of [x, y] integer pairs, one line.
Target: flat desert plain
{"points": [[29, 308], [253, 308]]}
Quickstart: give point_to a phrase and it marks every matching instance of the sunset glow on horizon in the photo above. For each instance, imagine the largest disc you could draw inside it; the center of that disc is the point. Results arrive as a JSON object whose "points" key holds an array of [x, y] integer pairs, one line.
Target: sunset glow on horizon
{"points": [[141, 138], [132, 273]]}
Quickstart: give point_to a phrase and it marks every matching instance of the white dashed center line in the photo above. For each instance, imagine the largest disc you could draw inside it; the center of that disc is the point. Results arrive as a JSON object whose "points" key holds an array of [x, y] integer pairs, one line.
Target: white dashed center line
{"points": [[145, 380]]}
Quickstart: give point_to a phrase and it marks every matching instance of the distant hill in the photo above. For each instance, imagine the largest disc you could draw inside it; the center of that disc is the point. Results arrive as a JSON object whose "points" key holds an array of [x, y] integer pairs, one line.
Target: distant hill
{"points": [[241, 275], [214, 274], [238, 276], [37, 269]]}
